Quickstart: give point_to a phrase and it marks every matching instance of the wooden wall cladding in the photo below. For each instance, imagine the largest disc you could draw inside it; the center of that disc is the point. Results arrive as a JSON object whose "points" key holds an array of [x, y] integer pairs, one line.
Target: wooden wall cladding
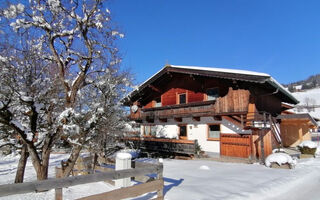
{"points": [[234, 101], [149, 105], [196, 87], [268, 103], [195, 96], [235, 145]]}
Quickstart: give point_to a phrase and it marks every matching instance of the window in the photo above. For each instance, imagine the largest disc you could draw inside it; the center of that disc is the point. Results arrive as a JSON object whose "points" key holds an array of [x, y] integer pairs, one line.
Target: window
{"points": [[150, 130], [157, 102], [182, 98], [214, 131], [183, 132], [212, 94]]}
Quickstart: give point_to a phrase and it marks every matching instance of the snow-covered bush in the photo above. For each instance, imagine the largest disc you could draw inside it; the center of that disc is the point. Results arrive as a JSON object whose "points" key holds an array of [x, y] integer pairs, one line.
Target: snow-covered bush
{"points": [[308, 147], [308, 144], [280, 159]]}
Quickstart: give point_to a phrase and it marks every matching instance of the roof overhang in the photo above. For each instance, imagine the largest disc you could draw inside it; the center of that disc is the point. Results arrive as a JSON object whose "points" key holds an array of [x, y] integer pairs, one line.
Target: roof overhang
{"points": [[231, 74], [300, 116]]}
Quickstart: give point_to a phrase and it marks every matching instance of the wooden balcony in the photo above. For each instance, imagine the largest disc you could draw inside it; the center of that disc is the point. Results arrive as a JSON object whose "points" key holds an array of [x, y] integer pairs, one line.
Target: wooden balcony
{"points": [[163, 145], [236, 101]]}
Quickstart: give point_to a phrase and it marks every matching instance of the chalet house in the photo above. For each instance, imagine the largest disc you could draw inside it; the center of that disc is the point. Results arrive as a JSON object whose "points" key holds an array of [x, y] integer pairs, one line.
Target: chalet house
{"points": [[228, 112]]}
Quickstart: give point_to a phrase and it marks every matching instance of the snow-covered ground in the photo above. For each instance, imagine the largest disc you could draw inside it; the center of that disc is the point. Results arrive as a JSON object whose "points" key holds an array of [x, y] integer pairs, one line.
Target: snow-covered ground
{"points": [[8, 166], [313, 96], [200, 179]]}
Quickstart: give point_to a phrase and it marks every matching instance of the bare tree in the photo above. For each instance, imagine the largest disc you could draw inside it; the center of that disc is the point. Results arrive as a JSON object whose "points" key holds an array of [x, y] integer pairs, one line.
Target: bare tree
{"points": [[69, 84], [310, 103]]}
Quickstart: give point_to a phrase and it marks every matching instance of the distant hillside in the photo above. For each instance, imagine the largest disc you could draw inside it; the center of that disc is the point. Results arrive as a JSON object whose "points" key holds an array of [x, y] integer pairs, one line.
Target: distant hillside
{"points": [[309, 83], [308, 93], [309, 102]]}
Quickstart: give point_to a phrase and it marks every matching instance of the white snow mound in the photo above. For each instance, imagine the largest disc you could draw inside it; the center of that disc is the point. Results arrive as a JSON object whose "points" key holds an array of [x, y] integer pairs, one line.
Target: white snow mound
{"points": [[204, 167], [278, 150], [124, 156], [309, 144], [280, 158]]}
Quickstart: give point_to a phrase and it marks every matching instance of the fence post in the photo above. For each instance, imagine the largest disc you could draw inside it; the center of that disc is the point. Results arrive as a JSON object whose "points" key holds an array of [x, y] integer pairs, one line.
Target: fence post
{"points": [[58, 191], [123, 161], [160, 177]]}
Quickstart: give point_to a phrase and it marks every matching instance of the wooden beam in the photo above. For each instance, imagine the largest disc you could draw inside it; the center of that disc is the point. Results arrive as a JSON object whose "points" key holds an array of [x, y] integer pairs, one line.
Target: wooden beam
{"points": [[21, 188], [242, 124], [150, 120], [178, 119], [163, 119], [128, 192], [217, 118], [179, 141], [155, 88], [58, 191], [196, 119], [232, 120]]}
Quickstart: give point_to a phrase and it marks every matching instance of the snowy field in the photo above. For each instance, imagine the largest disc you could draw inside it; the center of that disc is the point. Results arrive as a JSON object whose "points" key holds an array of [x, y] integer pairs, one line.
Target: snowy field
{"points": [[312, 94], [199, 179]]}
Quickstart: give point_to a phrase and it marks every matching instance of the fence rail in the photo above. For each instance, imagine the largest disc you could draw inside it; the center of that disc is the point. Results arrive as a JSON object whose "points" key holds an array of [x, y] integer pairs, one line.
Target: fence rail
{"points": [[58, 183]]}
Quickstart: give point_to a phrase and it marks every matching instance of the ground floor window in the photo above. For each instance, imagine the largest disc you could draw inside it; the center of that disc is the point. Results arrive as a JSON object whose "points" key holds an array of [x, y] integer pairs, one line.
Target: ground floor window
{"points": [[213, 131], [183, 132], [149, 130]]}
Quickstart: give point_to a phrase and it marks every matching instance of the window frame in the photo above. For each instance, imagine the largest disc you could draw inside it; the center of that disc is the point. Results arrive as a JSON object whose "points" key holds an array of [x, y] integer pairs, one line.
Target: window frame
{"points": [[178, 97], [179, 131], [208, 128], [144, 131], [206, 93], [155, 102]]}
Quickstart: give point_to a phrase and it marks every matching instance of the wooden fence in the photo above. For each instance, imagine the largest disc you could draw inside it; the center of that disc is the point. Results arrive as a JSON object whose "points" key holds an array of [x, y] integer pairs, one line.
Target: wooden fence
{"points": [[235, 145], [127, 192]]}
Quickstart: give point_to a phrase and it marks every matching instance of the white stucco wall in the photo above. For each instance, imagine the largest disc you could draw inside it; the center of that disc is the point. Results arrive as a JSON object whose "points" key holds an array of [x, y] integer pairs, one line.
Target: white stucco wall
{"points": [[197, 130]]}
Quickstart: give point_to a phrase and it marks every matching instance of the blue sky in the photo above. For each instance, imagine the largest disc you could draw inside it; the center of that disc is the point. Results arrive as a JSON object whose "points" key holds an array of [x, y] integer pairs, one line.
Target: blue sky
{"points": [[278, 37]]}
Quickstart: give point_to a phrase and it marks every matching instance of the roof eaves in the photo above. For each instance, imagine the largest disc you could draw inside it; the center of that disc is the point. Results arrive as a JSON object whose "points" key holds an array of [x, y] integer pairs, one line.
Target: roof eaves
{"points": [[143, 85], [277, 85]]}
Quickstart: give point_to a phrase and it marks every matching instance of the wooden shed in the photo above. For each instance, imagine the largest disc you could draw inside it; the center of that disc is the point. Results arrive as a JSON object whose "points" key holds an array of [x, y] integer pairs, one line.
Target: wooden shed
{"points": [[295, 128]]}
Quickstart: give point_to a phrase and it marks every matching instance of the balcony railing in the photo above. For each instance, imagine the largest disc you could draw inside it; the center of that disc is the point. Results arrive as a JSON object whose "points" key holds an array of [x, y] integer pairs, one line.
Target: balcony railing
{"points": [[181, 110], [236, 101]]}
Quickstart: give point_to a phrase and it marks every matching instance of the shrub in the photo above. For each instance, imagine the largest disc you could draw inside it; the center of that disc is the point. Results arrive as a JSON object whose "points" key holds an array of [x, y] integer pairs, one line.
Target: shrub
{"points": [[307, 150]]}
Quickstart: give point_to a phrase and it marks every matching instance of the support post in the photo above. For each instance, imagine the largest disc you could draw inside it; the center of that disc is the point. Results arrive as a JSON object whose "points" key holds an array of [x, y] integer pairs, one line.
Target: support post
{"points": [[58, 191], [262, 139], [123, 161], [160, 177]]}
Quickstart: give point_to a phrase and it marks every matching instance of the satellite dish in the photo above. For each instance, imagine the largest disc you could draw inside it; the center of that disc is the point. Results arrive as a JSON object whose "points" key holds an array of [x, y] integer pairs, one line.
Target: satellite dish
{"points": [[134, 108]]}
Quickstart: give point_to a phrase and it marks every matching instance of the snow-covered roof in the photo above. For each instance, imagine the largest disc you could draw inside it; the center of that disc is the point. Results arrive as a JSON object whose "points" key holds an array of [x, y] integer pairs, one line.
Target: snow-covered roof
{"points": [[234, 74], [224, 70]]}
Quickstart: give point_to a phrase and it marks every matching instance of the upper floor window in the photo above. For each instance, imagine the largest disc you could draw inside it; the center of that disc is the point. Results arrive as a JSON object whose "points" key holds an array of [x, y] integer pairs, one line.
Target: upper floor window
{"points": [[182, 98], [212, 94], [157, 102]]}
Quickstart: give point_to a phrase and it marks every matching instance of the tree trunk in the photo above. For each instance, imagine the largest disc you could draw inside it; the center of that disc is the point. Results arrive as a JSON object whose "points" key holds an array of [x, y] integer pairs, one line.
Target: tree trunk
{"points": [[22, 164], [40, 164], [43, 173], [72, 160], [95, 160]]}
